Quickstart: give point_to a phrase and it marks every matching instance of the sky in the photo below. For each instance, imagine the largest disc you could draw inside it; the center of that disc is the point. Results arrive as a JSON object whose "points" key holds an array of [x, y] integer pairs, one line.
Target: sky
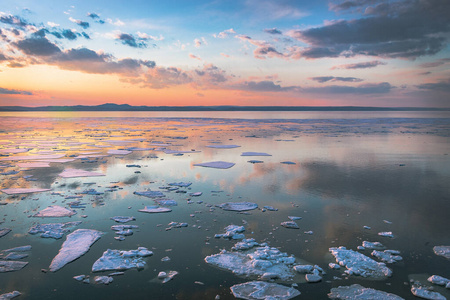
{"points": [[225, 52]]}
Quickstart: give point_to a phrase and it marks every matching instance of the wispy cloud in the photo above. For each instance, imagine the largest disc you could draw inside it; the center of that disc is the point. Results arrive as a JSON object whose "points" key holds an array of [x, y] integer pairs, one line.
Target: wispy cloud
{"points": [[4, 91], [368, 88], [224, 33], [130, 40], [81, 23], [322, 79], [361, 65]]}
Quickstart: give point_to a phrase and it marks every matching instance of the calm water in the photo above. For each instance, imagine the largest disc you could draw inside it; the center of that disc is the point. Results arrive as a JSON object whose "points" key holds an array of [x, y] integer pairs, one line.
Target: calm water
{"points": [[351, 170]]}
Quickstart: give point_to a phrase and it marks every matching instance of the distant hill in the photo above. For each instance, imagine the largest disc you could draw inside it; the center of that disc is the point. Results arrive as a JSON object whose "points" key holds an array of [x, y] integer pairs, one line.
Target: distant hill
{"points": [[127, 107]]}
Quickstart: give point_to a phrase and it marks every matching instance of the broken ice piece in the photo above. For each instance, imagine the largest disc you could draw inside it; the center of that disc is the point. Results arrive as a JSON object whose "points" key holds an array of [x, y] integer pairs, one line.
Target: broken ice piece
{"points": [[232, 232], [387, 256], [293, 218], [15, 256], [10, 295], [238, 206], [373, 245], [170, 275], [304, 268], [263, 290], [253, 161], [255, 154], [288, 162], [155, 209], [439, 280], [356, 291], [223, 146], [442, 251], [76, 244], [23, 191], [4, 231], [386, 234], [290, 224], [71, 173], [216, 164], [426, 293], [122, 219], [121, 259], [180, 184], [53, 230], [55, 211], [196, 194], [359, 264], [271, 208], [103, 279], [245, 244], [11, 265], [150, 194]]}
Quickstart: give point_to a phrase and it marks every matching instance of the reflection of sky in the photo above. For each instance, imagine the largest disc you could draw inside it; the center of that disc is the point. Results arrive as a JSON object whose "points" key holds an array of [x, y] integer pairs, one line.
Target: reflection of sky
{"points": [[344, 177]]}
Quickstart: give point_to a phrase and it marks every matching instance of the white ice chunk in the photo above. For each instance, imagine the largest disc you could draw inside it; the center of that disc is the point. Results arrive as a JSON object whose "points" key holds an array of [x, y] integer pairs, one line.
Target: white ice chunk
{"points": [[122, 219], [387, 256], [77, 243], [71, 173], [53, 230], [23, 191], [150, 194], [238, 206], [425, 293], [245, 244], [373, 245], [169, 276], [121, 259], [216, 164], [442, 251], [356, 291], [103, 279], [439, 280], [155, 209], [263, 290], [10, 295], [386, 234], [290, 224], [55, 211], [304, 268], [359, 264], [11, 265], [255, 154], [232, 232]]}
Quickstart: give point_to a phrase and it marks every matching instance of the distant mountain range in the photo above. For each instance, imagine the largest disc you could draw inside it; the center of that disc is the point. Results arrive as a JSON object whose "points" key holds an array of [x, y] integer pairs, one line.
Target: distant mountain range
{"points": [[127, 107]]}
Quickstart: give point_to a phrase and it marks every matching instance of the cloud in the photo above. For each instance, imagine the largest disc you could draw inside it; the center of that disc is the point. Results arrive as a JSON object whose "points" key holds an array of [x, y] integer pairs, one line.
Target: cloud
{"points": [[361, 65], [146, 37], [130, 40], [272, 31], [406, 29], [37, 46], [262, 86], [436, 63], [442, 86], [322, 79], [194, 57], [4, 91], [225, 55], [96, 18], [224, 33], [368, 88], [52, 24], [274, 10], [83, 24], [13, 20], [197, 43], [263, 50]]}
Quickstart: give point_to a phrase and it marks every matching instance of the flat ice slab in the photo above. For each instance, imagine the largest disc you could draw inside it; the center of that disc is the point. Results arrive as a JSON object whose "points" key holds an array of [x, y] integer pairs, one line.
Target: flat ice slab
{"points": [[223, 146], [23, 191], [4, 231], [119, 152], [53, 230], [238, 206], [155, 209], [359, 264], [255, 154], [121, 259], [216, 164], [423, 292], [10, 295], [77, 243], [150, 194], [357, 291], [263, 290], [55, 211], [122, 219], [71, 173], [31, 157], [442, 251], [11, 265], [255, 262]]}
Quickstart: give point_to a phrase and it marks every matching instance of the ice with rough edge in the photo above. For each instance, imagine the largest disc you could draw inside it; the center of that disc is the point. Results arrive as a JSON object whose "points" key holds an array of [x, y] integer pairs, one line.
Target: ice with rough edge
{"points": [[11, 265], [15, 256], [166, 202], [263, 290], [223, 146], [180, 184], [373, 245], [442, 251], [255, 154], [387, 256], [10, 295], [76, 244], [439, 280], [359, 264], [216, 165], [232, 232], [423, 292], [169, 276], [386, 234], [103, 279], [18, 249], [155, 209], [23, 191], [255, 262], [53, 230], [288, 162], [4, 231], [150, 194], [294, 218], [121, 260], [122, 219], [245, 244], [238, 206], [55, 211], [356, 291], [72, 173], [290, 224]]}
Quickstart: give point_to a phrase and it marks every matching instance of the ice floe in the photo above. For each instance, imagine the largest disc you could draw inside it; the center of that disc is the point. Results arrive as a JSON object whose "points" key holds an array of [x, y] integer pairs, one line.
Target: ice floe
{"points": [[216, 164], [425, 293], [442, 251], [13, 191], [387, 256], [155, 209], [263, 290], [76, 244], [53, 230], [386, 234], [180, 184], [359, 264], [4, 231], [238, 206], [439, 280], [103, 279], [55, 211], [356, 291], [71, 173], [11, 265], [223, 146], [167, 276], [119, 152], [373, 245], [121, 259], [255, 154], [290, 224], [10, 295], [150, 194], [122, 219], [233, 232]]}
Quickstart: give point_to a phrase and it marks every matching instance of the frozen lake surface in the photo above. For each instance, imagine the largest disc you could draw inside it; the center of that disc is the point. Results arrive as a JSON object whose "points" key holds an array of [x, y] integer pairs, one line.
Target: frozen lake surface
{"points": [[218, 223]]}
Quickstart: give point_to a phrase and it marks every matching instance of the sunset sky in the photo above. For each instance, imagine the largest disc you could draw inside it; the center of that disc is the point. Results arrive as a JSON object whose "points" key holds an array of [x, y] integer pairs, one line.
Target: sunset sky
{"points": [[225, 52]]}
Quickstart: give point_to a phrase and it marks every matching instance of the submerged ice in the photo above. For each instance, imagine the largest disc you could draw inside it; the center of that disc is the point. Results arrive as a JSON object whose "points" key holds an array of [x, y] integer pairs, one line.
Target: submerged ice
{"points": [[263, 290], [356, 291]]}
